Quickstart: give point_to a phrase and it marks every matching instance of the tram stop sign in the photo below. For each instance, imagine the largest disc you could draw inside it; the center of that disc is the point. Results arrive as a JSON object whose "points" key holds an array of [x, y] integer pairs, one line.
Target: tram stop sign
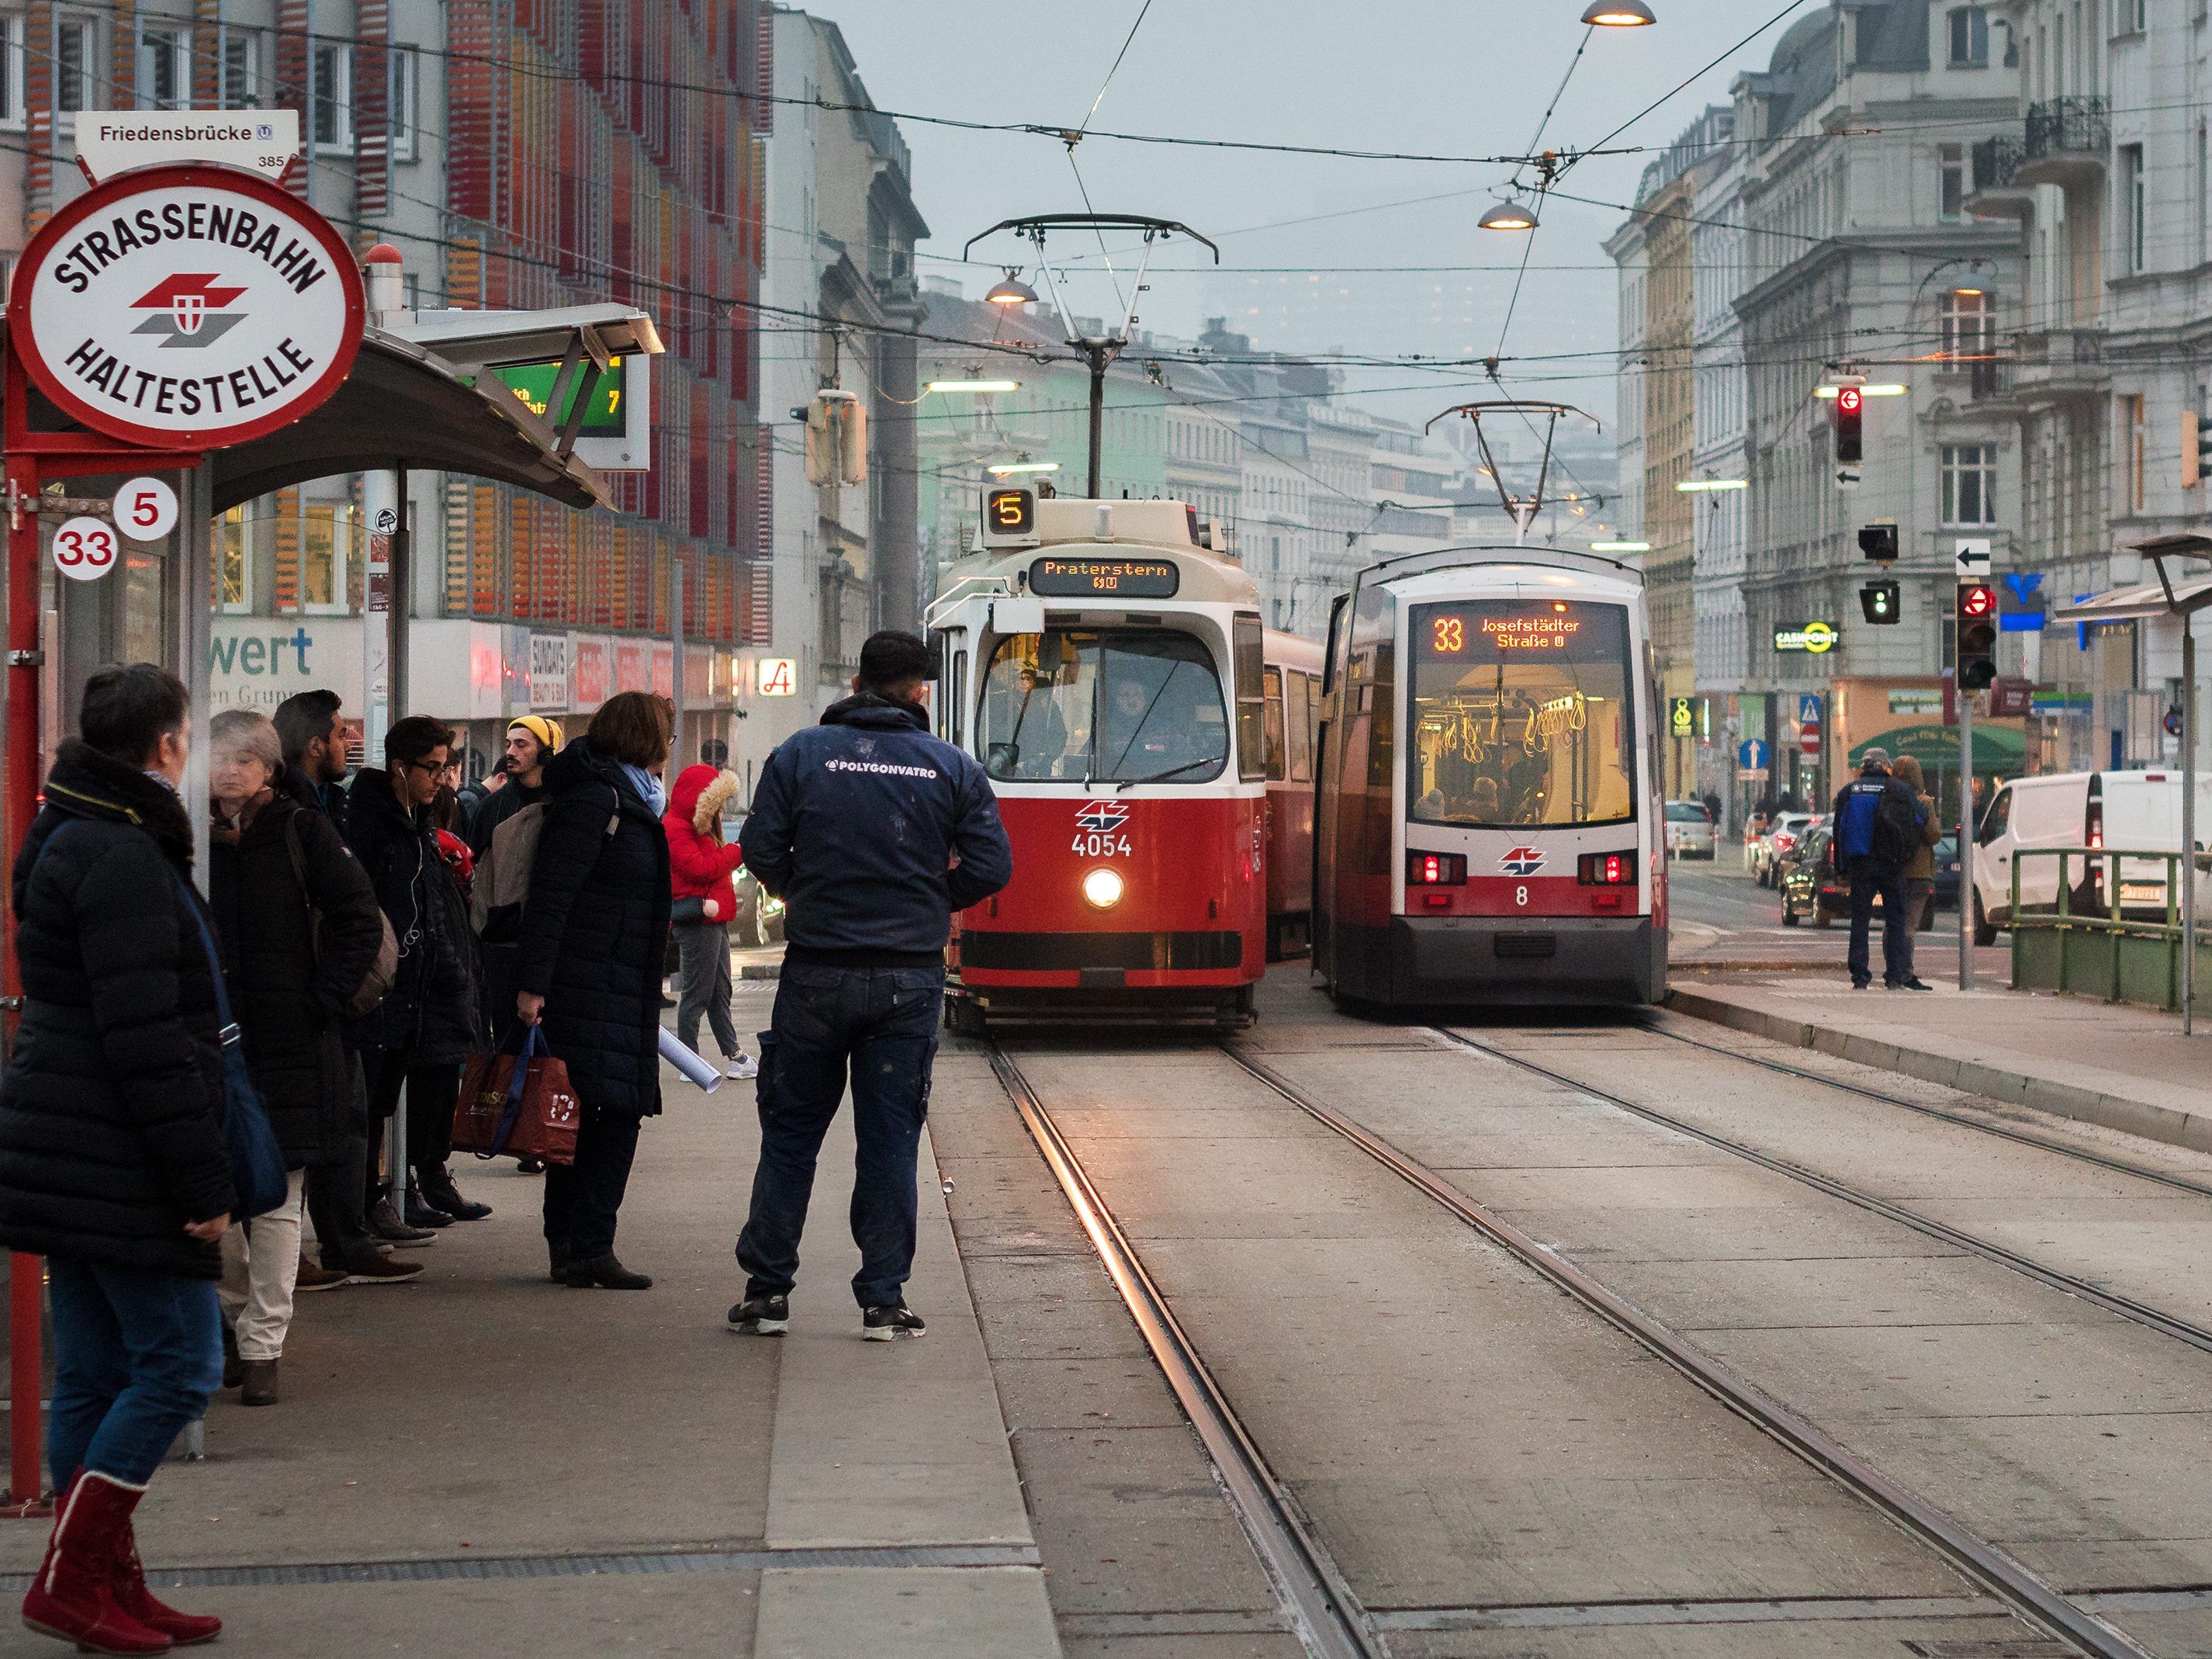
{"points": [[187, 308]]}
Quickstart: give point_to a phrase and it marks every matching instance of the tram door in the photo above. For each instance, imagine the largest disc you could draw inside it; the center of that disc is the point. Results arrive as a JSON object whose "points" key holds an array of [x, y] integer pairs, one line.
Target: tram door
{"points": [[1354, 825]]}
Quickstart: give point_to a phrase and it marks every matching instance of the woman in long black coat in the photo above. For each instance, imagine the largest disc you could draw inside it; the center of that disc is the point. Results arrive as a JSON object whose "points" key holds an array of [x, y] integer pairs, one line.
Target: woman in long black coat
{"points": [[269, 859], [594, 932]]}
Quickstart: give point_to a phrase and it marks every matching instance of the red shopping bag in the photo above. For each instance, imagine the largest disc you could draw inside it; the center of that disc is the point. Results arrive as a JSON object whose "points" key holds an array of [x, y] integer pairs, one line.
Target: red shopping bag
{"points": [[517, 1103]]}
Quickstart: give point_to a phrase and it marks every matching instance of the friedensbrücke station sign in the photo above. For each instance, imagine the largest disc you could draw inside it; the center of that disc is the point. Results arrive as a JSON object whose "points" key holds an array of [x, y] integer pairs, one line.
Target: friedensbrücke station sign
{"points": [[187, 308]]}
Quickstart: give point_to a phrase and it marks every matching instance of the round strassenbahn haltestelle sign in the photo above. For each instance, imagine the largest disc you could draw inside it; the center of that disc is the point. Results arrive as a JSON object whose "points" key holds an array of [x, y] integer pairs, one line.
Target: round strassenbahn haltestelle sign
{"points": [[187, 308]]}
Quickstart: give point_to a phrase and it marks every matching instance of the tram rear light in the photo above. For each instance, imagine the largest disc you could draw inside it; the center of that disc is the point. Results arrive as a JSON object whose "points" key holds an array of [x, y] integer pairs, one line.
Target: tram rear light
{"points": [[1436, 870], [1606, 869], [1102, 889]]}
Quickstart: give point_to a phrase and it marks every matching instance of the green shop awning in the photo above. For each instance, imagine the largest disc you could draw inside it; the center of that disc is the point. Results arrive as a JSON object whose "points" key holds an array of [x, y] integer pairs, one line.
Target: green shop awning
{"points": [[1997, 748]]}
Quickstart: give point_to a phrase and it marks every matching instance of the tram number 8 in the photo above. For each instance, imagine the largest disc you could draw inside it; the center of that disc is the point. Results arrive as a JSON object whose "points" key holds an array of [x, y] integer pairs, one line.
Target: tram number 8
{"points": [[1098, 845], [1521, 896]]}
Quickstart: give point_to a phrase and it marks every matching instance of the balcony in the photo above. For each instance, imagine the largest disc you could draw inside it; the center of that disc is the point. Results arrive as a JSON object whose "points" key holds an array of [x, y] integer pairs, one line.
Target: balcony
{"points": [[1998, 190], [2054, 364], [2065, 142]]}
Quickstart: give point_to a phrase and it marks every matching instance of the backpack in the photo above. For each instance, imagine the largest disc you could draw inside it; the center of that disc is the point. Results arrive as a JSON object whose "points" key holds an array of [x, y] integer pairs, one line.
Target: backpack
{"points": [[384, 972], [502, 874], [1896, 826]]}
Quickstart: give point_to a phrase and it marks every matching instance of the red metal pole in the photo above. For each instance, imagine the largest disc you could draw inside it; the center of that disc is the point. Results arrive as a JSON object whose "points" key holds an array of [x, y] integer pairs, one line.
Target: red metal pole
{"points": [[27, 1488]]}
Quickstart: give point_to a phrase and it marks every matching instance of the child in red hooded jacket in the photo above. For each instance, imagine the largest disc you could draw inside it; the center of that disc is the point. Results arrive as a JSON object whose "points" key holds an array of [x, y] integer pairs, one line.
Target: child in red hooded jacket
{"points": [[702, 866]]}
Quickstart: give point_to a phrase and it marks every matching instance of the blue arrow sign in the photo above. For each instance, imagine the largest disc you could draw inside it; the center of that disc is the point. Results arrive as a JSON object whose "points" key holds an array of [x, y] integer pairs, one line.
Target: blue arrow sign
{"points": [[1751, 754]]}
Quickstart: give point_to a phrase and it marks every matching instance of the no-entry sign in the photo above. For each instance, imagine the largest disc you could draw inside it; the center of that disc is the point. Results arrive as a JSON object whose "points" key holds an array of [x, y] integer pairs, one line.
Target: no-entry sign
{"points": [[187, 308]]}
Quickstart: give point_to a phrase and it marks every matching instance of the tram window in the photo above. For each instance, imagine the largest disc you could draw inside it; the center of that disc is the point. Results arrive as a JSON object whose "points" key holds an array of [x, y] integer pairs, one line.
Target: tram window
{"points": [[1121, 706], [1521, 714], [1275, 756], [1251, 700], [956, 703], [1298, 703]]}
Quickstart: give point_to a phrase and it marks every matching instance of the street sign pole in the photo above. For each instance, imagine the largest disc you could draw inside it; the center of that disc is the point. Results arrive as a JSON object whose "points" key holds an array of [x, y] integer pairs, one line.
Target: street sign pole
{"points": [[1965, 838], [2188, 824]]}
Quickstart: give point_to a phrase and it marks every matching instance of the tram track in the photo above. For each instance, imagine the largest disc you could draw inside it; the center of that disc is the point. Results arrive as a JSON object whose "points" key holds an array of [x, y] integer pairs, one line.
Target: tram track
{"points": [[1324, 1610], [2002, 1131], [2169, 1325]]}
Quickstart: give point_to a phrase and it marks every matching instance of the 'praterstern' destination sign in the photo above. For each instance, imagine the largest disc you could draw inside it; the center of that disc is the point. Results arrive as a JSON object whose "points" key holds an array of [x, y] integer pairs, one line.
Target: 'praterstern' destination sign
{"points": [[187, 308]]}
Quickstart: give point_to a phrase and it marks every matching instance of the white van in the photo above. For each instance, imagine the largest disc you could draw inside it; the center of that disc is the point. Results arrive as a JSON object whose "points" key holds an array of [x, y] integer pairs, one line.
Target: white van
{"points": [[2135, 810]]}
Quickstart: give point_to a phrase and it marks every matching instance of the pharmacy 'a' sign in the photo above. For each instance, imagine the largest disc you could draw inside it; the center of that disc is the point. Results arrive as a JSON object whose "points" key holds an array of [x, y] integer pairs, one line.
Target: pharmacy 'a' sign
{"points": [[186, 307]]}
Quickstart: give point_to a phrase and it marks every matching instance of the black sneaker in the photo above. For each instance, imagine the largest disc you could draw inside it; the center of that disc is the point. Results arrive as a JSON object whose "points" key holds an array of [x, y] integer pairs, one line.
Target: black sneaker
{"points": [[889, 1322], [1916, 983], [1861, 984], [761, 1315]]}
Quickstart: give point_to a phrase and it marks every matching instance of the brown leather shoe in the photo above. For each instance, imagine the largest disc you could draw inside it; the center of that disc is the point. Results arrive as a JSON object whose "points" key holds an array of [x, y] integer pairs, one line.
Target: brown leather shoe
{"points": [[313, 1276], [258, 1386], [384, 1270]]}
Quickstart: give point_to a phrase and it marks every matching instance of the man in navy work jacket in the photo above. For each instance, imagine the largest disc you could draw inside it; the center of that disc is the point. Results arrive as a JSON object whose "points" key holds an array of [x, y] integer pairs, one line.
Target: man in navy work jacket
{"points": [[873, 832], [1877, 824]]}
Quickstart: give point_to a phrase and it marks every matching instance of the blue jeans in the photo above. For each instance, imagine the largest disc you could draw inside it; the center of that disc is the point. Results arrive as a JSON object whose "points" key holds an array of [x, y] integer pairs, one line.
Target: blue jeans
{"points": [[1869, 878], [137, 1356], [882, 1021]]}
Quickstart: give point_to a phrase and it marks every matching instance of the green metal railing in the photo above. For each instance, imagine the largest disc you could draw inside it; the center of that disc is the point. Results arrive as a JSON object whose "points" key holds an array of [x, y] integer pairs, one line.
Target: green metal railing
{"points": [[2102, 951]]}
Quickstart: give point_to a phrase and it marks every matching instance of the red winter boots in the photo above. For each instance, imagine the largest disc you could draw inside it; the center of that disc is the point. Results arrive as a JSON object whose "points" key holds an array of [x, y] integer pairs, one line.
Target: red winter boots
{"points": [[90, 1589]]}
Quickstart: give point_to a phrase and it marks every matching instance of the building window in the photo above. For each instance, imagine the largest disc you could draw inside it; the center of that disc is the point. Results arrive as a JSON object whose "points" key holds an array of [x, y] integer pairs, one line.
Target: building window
{"points": [[1966, 321], [1954, 163], [1970, 37], [73, 66], [165, 70], [232, 566], [1970, 485], [2132, 204], [11, 69], [326, 534], [405, 99], [2131, 411], [2131, 17], [241, 64], [333, 96]]}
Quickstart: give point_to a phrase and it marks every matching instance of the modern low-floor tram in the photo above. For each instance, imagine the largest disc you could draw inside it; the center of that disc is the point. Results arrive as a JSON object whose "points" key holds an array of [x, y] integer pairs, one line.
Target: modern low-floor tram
{"points": [[1489, 812]]}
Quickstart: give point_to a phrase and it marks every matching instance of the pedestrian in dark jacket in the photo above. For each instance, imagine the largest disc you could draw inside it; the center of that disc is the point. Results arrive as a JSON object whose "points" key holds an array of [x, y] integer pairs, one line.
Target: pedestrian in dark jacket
{"points": [[430, 1024], [1861, 854], [274, 867], [873, 833], [531, 740], [594, 930], [113, 1165]]}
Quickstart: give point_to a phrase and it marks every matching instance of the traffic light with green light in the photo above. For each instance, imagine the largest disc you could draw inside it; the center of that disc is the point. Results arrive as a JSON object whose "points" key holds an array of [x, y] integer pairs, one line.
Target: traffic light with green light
{"points": [[1881, 602]]}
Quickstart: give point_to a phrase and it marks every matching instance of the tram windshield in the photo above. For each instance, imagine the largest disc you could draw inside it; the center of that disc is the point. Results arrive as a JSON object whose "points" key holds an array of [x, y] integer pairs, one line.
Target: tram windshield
{"points": [[1521, 714], [1110, 705]]}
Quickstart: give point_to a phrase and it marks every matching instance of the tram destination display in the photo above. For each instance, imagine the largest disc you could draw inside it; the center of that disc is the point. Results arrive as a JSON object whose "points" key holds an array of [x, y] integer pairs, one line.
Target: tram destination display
{"points": [[1490, 632], [1116, 579]]}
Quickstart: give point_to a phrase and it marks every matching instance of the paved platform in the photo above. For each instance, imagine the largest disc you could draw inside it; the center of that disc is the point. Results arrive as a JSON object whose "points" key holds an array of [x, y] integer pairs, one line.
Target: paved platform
{"points": [[2124, 1067], [423, 1488]]}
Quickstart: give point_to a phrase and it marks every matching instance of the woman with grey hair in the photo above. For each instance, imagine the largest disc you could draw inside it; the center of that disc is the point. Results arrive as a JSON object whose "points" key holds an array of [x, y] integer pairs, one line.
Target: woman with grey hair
{"points": [[274, 869]]}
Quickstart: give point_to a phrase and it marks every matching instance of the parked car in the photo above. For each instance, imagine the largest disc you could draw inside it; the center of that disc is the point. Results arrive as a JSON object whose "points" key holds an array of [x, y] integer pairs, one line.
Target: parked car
{"points": [[759, 920], [1811, 887], [1946, 875], [1689, 829], [2131, 811], [1807, 879], [1782, 839]]}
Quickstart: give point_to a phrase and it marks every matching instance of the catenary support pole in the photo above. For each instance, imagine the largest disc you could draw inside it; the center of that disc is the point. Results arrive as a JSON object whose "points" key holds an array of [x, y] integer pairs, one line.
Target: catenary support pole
{"points": [[678, 757], [25, 1273], [1965, 701], [1096, 351], [193, 592], [2189, 741]]}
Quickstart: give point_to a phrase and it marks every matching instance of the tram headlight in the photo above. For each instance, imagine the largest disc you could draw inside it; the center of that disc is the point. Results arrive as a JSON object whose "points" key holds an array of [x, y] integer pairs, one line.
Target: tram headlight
{"points": [[1102, 889]]}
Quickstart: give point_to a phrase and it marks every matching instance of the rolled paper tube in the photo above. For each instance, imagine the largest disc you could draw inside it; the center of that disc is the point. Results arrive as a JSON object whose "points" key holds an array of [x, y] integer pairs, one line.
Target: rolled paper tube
{"points": [[706, 1075]]}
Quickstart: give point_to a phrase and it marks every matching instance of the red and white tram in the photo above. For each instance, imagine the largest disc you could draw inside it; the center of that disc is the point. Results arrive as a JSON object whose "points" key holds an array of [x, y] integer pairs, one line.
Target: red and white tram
{"points": [[1106, 668], [1489, 817], [1293, 695]]}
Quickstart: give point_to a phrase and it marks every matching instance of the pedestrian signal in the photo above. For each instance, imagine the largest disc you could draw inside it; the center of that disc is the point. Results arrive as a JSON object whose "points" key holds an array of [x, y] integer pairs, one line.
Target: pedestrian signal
{"points": [[1977, 636], [1880, 601]]}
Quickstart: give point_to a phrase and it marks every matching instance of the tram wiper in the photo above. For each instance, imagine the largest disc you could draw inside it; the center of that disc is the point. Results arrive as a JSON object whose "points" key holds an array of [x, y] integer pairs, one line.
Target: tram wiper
{"points": [[1161, 777]]}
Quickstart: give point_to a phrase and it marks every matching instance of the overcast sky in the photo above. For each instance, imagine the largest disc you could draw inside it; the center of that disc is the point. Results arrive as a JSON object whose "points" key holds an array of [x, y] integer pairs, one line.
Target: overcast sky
{"points": [[1450, 77]]}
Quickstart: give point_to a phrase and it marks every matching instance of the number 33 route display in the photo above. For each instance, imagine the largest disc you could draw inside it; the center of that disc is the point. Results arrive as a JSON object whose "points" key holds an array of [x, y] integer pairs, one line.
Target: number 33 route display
{"points": [[187, 308]]}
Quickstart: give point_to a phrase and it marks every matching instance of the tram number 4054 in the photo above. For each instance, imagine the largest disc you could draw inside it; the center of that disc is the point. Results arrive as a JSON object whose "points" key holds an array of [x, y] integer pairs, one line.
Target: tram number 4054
{"points": [[1098, 845]]}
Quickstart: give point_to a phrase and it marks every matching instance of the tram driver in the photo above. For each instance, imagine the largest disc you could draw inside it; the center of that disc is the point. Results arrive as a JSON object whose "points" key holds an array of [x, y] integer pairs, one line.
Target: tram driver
{"points": [[1174, 728]]}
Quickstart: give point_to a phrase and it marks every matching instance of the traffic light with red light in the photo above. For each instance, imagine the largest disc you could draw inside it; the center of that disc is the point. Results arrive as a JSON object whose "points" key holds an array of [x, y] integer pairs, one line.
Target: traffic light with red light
{"points": [[1850, 409], [1977, 636]]}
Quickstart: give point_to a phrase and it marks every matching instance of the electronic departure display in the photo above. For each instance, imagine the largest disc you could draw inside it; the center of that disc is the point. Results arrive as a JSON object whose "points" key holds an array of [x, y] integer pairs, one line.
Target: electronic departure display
{"points": [[1118, 579], [1491, 632]]}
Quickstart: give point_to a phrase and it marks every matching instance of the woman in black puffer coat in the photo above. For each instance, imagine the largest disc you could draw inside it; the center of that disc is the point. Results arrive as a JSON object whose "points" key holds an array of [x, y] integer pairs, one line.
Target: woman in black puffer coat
{"points": [[594, 932], [269, 859], [113, 1164]]}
